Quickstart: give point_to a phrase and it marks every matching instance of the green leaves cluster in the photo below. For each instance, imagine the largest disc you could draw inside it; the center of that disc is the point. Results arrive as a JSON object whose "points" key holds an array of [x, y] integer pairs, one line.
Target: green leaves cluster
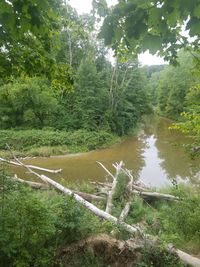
{"points": [[26, 31], [156, 26]]}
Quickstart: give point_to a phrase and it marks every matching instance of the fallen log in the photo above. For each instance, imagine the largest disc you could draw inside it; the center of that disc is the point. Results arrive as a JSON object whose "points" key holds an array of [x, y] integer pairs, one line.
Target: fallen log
{"points": [[100, 213], [40, 186], [155, 195], [89, 197], [185, 257], [31, 166], [140, 191], [132, 229], [33, 185], [125, 211], [113, 188], [102, 184]]}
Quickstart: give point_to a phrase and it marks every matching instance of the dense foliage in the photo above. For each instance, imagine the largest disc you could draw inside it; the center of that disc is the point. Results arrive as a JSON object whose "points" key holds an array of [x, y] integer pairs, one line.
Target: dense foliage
{"points": [[175, 94], [34, 102], [48, 142], [58, 89], [151, 25], [33, 225], [36, 226], [56, 73]]}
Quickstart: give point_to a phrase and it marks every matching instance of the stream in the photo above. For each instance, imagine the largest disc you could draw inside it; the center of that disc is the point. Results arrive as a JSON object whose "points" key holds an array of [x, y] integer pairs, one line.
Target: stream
{"points": [[155, 156]]}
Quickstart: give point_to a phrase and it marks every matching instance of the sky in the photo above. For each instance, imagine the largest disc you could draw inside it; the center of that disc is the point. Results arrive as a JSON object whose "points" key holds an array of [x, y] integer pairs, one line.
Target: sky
{"points": [[84, 6]]}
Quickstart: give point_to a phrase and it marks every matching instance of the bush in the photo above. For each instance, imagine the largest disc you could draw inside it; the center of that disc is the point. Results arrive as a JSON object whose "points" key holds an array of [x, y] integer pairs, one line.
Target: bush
{"points": [[33, 225]]}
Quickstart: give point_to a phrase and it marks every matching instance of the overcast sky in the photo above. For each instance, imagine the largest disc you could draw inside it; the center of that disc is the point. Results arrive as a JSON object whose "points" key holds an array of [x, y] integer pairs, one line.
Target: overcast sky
{"points": [[84, 6]]}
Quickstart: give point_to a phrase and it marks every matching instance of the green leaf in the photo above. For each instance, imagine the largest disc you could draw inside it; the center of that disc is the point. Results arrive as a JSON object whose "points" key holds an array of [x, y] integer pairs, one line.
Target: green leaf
{"points": [[152, 43], [194, 26]]}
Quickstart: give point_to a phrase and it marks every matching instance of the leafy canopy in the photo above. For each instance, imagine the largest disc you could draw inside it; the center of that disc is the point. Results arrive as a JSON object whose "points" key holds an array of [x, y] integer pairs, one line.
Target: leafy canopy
{"points": [[140, 25], [26, 32]]}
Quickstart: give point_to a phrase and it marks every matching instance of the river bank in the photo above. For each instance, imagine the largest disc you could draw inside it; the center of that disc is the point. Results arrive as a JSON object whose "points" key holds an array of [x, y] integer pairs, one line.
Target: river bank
{"points": [[46, 143]]}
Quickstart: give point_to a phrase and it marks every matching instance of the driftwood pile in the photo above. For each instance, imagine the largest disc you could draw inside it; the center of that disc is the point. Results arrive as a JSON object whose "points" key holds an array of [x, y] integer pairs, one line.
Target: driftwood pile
{"points": [[107, 192]]}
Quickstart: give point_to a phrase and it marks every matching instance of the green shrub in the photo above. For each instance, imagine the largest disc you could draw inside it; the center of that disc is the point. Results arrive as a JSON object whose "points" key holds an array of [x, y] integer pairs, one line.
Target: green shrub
{"points": [[27, 102], [33, 225], [157, 257], [81, 139]]}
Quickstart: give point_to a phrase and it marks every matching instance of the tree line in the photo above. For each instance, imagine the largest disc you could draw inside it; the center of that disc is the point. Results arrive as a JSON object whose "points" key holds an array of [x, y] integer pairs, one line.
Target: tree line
{"points": [[55, 73]]}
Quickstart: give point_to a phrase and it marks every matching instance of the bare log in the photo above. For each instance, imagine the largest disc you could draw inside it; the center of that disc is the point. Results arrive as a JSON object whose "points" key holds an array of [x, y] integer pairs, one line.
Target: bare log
{"points": [[139, 188], [114, 184], [125, 211], [31, 166], [183, 256], [106, 170], [188, 259], [155, 195], [102, 184], [89, 197], [100, 213], [33, 185]]}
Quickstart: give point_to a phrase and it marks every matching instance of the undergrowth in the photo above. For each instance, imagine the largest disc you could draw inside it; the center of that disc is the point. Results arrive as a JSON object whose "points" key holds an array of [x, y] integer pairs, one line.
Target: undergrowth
{"points": [[34, 225], [53, 142]]}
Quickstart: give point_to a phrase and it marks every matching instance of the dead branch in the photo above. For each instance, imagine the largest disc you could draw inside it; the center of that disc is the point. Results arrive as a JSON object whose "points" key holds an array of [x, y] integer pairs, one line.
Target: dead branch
{"points": [[33, 185], [31, 166], [155, 195], [106, 170], [125, 211], [101, 184], [113, 188]]}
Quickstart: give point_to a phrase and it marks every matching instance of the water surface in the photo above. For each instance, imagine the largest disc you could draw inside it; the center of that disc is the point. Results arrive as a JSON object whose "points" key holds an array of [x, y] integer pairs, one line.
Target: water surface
{"points": [[155, 156]]}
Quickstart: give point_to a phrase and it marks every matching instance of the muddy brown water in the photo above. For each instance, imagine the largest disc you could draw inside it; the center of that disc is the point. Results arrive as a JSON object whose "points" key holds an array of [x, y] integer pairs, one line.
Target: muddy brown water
{"points": [[155, 156]]}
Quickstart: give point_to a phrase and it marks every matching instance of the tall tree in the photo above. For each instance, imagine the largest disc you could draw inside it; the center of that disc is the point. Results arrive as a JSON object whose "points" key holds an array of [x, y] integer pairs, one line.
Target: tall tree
{"points": [[173, 84]]}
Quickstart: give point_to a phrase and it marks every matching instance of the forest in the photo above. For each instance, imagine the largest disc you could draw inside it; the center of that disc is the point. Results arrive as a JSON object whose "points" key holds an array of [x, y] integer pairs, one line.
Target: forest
{"points": [[62, 92]]}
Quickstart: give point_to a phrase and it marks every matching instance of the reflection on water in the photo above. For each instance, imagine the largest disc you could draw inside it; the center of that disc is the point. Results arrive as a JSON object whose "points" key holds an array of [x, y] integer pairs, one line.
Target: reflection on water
{"points": [[153, 173], [155, 156]]}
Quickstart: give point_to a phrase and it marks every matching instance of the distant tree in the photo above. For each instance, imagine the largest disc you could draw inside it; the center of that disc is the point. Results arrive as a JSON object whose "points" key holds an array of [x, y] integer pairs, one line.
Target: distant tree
{"points": [[27, 102], [173, 84]]}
